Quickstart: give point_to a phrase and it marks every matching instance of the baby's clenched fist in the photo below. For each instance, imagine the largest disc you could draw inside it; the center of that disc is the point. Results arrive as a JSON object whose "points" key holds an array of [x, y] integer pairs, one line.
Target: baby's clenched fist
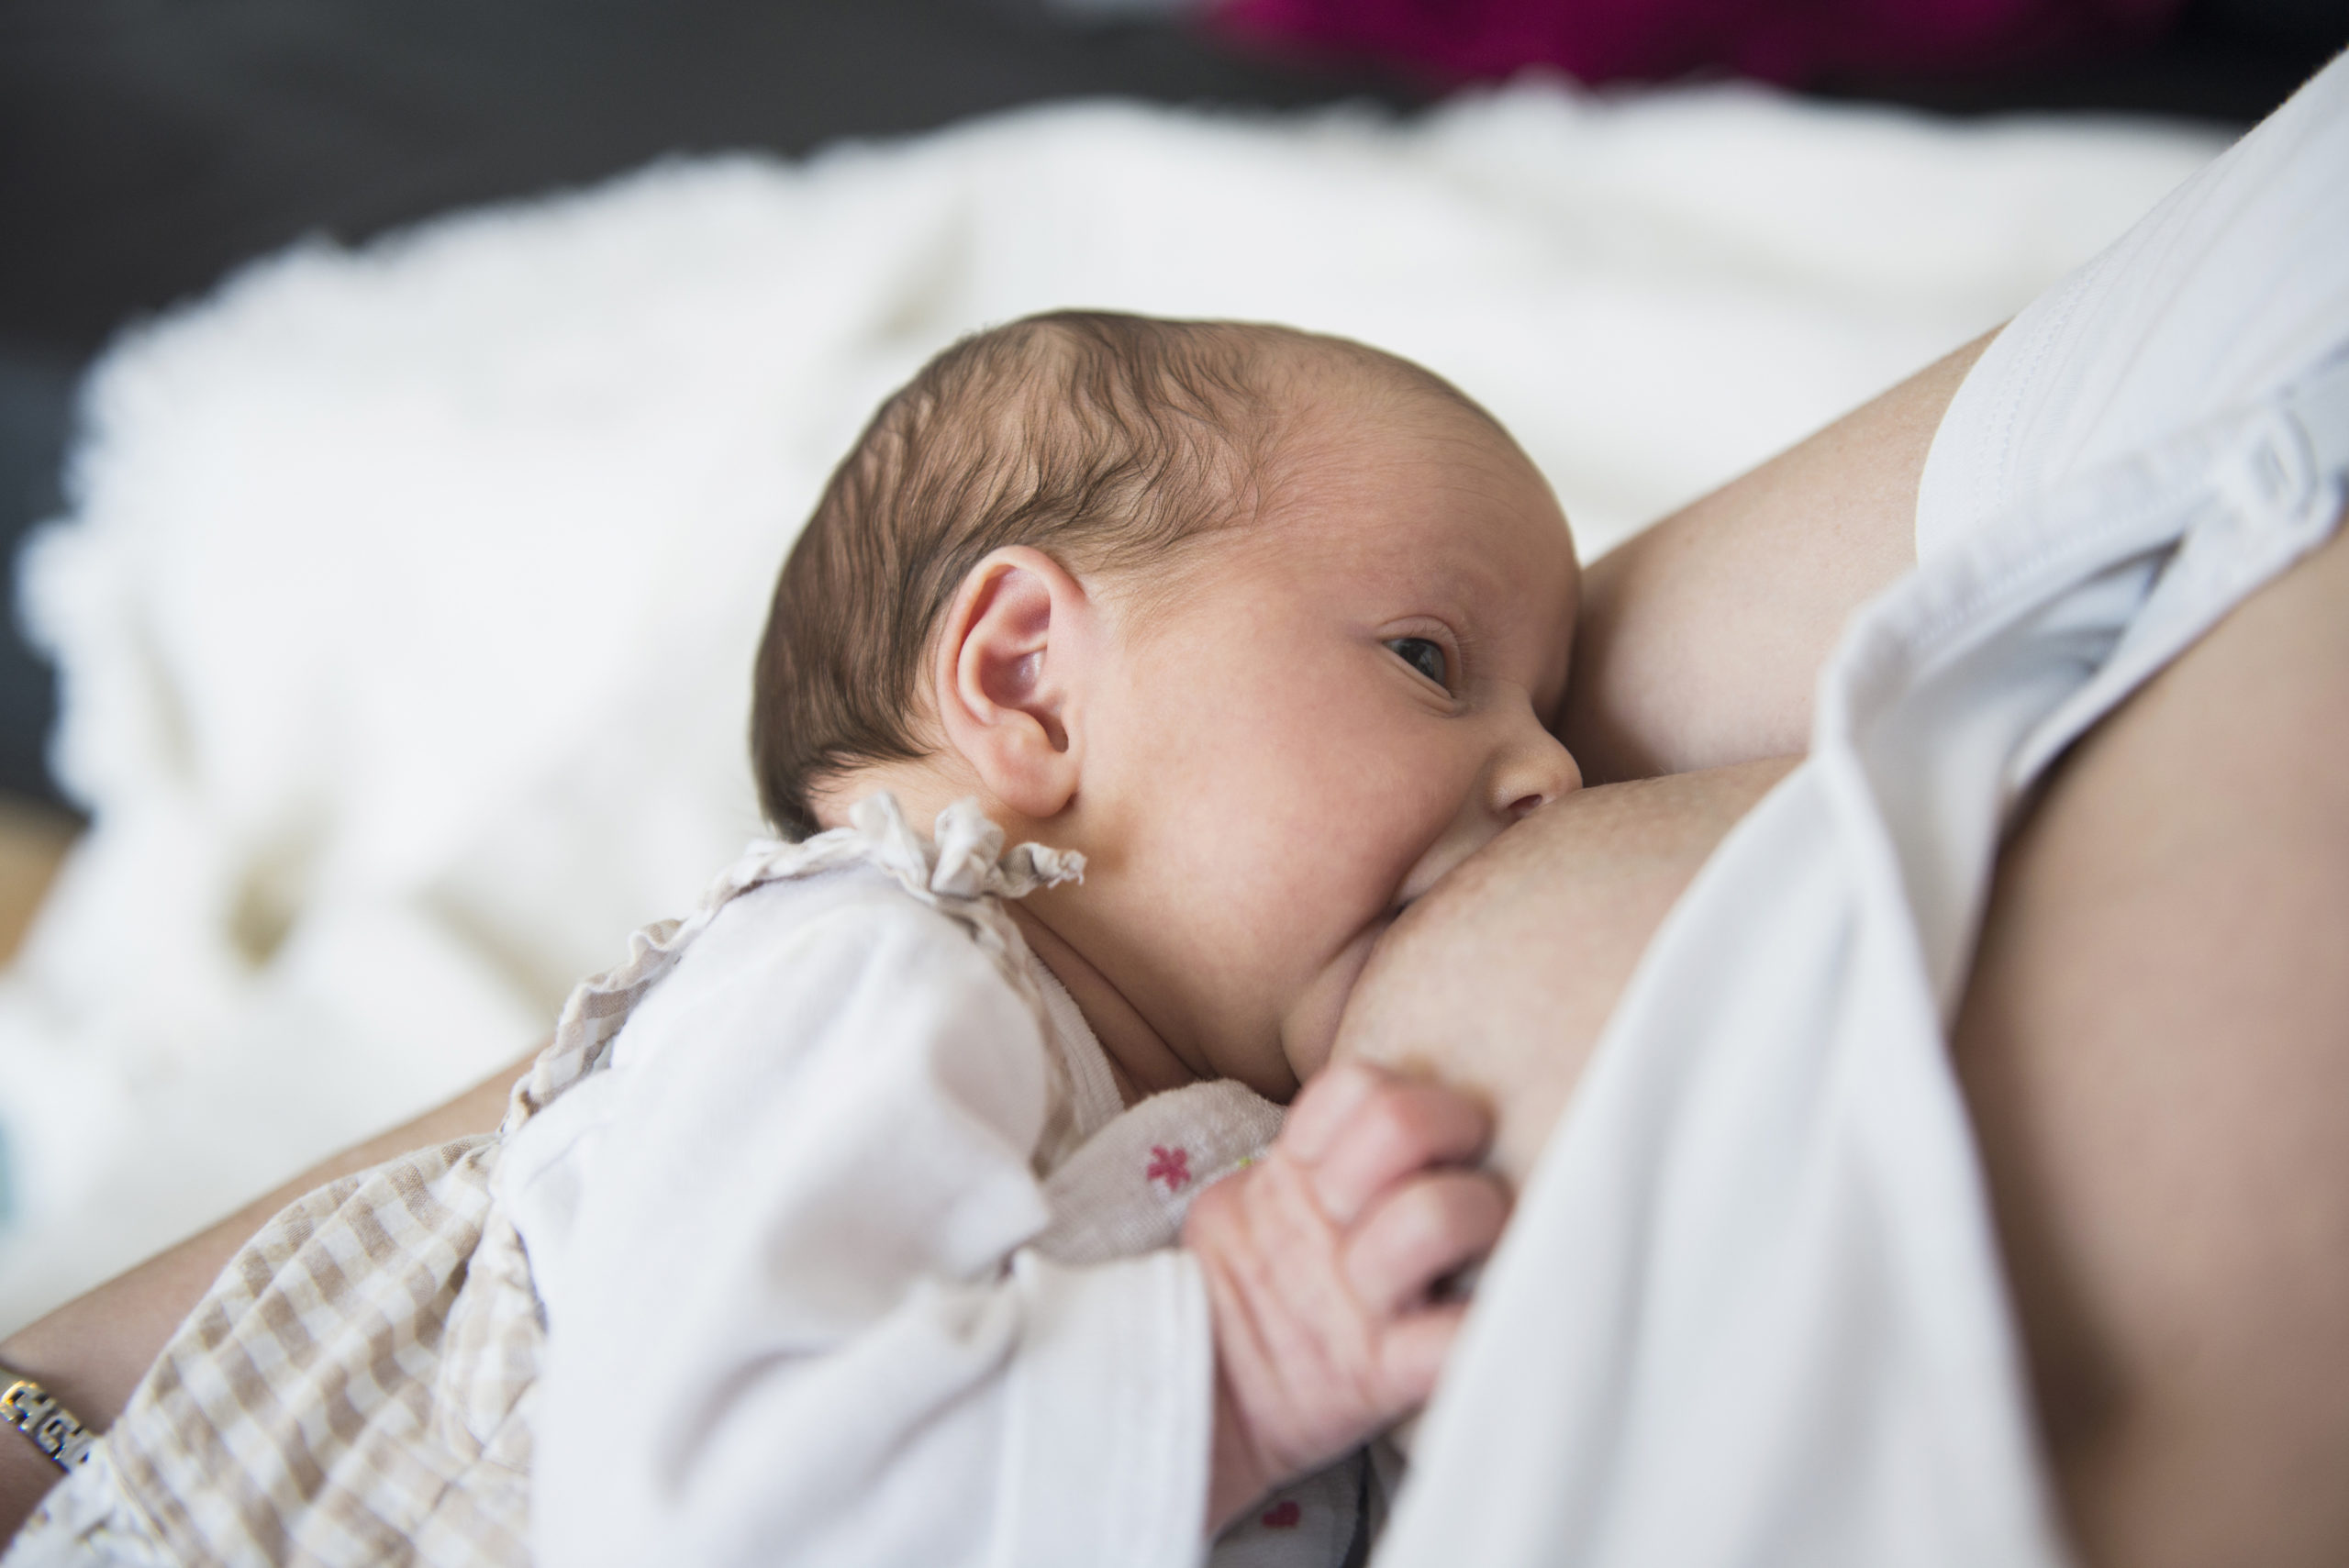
{"points": [[1321, 1262]]}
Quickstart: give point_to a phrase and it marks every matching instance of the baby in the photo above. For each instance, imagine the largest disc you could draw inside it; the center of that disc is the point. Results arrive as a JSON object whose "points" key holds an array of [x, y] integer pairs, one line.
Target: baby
{"points": [[1262, 626], [840, 1224]]}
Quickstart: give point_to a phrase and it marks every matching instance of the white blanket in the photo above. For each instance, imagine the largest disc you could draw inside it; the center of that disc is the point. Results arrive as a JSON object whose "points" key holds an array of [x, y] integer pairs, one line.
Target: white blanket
{"points": [[405, 606]]}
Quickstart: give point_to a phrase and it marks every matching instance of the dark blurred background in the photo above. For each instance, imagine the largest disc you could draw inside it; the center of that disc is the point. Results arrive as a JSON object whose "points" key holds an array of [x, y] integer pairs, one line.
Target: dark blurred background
{"points": [[148, 146]]}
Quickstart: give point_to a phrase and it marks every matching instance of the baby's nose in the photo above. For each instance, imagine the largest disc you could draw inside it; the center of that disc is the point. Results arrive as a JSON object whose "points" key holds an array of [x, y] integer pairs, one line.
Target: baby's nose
{"points": [[1538, 771]]}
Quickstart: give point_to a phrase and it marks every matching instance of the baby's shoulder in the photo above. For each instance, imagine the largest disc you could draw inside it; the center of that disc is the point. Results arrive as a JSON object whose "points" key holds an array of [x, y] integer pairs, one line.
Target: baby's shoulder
{"points": [[850, 917], [789, 961]]}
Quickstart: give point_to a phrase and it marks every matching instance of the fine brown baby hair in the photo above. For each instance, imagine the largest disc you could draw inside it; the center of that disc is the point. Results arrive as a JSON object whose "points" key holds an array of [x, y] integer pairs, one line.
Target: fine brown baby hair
{"points": [[1108, 441]]}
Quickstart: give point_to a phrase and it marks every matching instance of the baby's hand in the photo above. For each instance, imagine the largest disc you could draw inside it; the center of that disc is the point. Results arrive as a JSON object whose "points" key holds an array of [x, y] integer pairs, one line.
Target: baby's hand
{"points": [[1319, 1260]]}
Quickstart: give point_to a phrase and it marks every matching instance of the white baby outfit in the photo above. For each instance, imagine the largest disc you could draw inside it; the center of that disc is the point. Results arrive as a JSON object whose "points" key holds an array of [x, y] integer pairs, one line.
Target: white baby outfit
{"points": [[819, 1235], [1749, 1309]]}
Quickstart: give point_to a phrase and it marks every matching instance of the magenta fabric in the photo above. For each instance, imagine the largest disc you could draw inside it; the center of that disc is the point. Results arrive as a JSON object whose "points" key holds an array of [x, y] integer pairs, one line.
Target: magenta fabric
{"points": [[1789, 42]]}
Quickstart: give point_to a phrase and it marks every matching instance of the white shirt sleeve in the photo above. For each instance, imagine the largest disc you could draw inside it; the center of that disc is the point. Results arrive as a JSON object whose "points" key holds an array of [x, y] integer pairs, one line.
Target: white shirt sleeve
{"points": [[791, 1314]]}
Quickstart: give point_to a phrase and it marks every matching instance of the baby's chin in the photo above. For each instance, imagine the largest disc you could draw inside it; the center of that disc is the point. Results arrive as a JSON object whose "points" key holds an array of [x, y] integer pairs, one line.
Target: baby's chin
{"points": [[1310, 1032]]}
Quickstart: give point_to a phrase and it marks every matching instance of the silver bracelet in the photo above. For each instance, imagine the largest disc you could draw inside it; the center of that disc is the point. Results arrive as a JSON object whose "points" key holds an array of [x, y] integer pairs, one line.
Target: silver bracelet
{"points": [[34, 1411]]}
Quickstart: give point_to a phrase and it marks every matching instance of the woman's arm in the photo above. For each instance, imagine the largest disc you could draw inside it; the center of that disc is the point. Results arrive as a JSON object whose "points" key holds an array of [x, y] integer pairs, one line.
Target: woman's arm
{"points": [[1701, 638], [91, 1351]]}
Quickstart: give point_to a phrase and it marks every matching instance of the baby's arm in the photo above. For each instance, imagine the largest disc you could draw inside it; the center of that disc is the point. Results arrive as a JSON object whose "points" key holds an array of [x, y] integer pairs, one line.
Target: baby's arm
{"points": [[795, 1318], [1320, 1261]]}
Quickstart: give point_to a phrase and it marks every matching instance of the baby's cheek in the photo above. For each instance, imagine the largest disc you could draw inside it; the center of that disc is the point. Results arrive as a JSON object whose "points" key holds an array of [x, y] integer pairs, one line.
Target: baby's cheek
{"points": [[1294, 920], [1311, 1030]]}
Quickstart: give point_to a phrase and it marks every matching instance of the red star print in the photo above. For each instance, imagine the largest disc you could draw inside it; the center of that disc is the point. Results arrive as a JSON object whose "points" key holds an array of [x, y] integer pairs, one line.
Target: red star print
{"points": [[1172, 1166], [1282, 1516]]}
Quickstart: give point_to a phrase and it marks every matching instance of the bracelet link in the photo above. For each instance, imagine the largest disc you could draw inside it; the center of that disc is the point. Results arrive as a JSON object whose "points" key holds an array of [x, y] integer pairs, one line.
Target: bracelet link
{"points": [[36, 1412]]}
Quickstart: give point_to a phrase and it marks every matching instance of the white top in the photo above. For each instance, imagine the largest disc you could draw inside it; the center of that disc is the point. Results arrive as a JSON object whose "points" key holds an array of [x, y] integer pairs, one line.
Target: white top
{"points": [[850, 1257]]}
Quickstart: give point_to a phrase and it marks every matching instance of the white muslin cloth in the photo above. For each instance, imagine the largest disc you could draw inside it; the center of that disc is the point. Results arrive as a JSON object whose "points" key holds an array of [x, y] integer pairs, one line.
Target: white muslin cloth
{"points": [[1750, 1310]]}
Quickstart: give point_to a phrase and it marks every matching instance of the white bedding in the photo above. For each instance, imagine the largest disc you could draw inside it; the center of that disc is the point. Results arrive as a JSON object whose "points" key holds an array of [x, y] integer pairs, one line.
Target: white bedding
{"points": [[406, 604]]}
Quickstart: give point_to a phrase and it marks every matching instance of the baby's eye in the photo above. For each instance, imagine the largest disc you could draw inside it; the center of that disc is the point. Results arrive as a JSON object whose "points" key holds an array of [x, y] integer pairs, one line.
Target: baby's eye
{"points": [[1425, 657]]}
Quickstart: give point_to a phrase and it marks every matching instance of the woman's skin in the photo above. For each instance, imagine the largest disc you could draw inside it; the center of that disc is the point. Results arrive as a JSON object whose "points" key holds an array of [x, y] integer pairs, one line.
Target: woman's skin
{"points": [[2155, 1046], [1700, 637], [1499, 979]]}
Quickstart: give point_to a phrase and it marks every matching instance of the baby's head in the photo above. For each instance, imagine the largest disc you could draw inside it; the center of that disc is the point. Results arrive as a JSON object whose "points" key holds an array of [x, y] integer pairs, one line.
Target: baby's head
{"points": [[1267, 625]]}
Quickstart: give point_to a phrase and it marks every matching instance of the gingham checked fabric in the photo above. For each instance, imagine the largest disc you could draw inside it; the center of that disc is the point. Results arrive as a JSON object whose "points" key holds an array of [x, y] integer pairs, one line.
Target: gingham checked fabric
{"points": [[357, 1387]]}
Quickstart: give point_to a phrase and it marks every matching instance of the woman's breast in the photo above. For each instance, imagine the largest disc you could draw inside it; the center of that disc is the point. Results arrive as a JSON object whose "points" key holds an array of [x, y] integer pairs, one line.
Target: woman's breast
{"points": [[1499, 980]]}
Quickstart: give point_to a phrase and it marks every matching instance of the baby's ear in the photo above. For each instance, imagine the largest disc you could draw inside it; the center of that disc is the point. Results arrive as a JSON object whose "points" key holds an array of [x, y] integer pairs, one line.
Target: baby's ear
{"points": [[1017, 648]]}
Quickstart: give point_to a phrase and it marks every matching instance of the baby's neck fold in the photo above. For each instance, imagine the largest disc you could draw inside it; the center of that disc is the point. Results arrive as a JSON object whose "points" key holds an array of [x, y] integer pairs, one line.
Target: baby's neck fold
{"points": [[1139, 1059]]}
